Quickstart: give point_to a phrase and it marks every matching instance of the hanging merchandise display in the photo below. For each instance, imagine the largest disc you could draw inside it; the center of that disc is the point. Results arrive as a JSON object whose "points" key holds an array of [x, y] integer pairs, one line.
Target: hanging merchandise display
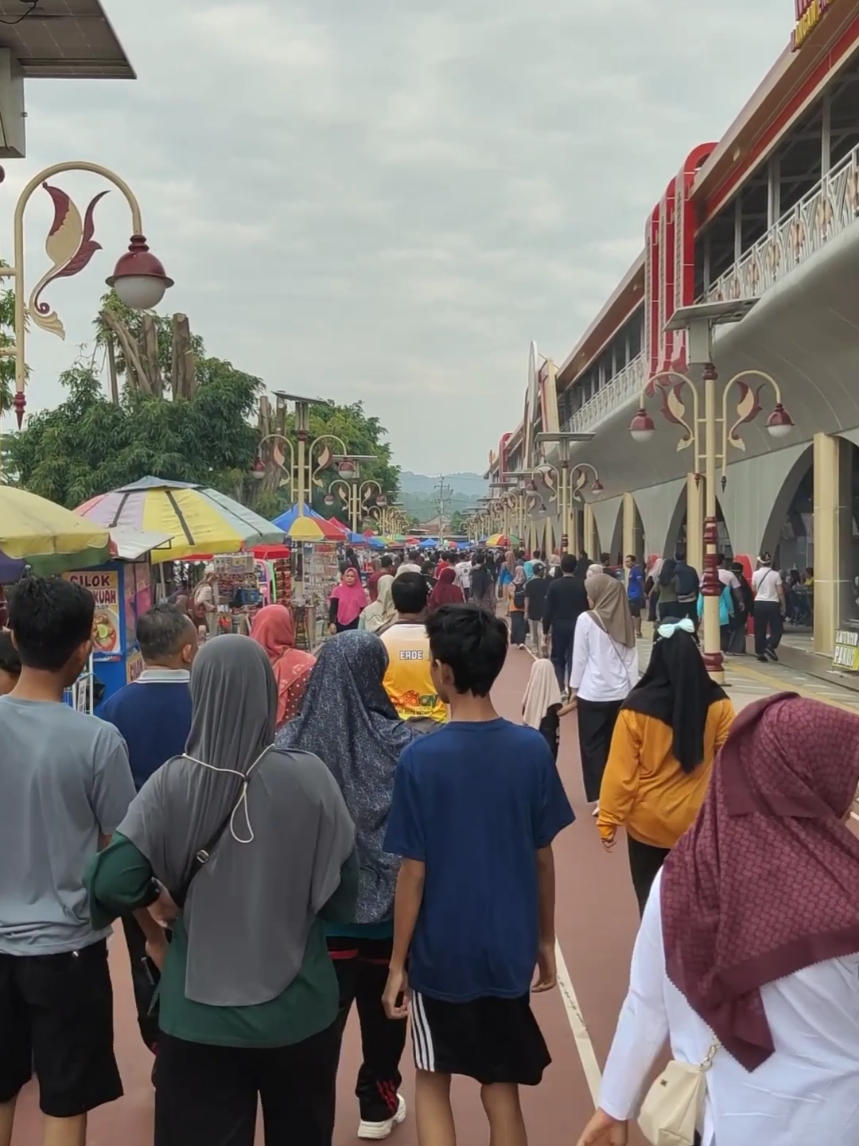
{"points": [[237, 589]]}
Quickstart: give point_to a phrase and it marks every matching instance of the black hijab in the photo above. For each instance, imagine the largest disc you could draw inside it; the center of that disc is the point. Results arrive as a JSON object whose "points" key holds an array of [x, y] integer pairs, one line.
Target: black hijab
{"points": [[677, 690], [667, 572]]}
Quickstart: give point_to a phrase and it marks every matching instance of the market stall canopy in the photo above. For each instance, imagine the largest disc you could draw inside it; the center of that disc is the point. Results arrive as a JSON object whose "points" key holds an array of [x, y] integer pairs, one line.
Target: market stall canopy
{"points": [[325, 530], [51, 539], [199, 520], [305, 529], [501, 540]]}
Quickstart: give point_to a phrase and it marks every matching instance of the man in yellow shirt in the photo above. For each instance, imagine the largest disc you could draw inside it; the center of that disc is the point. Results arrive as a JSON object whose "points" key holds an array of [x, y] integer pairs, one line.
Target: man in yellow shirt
{"points": [[408, 680]]}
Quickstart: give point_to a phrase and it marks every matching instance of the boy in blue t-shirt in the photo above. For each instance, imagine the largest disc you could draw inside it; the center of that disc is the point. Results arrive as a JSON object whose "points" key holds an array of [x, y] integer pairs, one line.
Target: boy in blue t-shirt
{"points": [[475, 809]]}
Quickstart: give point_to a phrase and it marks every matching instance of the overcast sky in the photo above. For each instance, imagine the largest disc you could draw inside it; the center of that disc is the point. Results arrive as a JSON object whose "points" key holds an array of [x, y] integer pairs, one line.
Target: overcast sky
{"points": [[387, 200]]}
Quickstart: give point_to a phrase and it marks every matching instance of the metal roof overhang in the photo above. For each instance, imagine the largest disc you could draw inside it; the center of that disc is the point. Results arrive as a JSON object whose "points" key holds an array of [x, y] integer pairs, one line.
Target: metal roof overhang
{"points": [[63, 39], [790, 86]]}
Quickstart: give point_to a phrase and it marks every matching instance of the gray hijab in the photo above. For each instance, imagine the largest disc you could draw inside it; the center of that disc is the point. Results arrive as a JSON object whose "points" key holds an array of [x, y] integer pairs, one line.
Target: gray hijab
{"points": [[250, 909]]}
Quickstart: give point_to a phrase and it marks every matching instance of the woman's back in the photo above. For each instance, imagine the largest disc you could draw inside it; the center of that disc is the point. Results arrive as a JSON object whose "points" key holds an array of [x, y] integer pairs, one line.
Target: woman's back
{"points": [[644, 785], [805, 1094]]}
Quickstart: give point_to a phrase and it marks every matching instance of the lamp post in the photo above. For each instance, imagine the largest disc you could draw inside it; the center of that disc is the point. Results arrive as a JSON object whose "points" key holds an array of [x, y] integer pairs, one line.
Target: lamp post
{"points": [[565, 439], [139, 278], [351, 490], [700, 321], [303, 464]]}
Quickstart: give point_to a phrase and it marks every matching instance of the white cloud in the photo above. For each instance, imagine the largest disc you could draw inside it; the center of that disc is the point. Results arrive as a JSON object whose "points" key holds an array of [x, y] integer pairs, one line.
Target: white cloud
{"points": [[390, 200]]}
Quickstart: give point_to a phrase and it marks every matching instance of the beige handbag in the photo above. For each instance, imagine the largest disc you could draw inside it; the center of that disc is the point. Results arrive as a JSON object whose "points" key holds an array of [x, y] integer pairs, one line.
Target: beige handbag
{"points": [[672, 1108]]}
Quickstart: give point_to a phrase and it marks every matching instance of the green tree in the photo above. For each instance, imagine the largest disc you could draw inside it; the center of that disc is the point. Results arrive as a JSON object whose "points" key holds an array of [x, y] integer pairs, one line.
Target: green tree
{"points": [[88, 444], [7, 340]]}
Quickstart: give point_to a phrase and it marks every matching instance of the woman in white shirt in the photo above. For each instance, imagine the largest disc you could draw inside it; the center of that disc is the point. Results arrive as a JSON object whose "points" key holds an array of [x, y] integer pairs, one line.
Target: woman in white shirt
{"points": [[749, 946], [604, 672]]}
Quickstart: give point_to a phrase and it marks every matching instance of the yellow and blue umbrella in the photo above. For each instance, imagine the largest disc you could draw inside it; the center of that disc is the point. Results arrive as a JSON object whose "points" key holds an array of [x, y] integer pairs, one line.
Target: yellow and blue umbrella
{"points": [[200, 521], [36, 532]]}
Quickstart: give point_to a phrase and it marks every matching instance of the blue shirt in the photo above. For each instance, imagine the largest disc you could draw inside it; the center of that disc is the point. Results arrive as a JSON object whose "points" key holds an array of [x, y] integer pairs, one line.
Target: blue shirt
{"points": [[635, 585], [154, 717], [474, 803]]}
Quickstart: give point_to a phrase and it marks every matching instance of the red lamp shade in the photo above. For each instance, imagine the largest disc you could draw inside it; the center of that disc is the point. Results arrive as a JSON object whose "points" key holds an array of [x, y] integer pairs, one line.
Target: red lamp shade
{"points": [[329, 499], [597, 486], [642, 426], [258, 468], [139, 279], [381, 500], [779, 423]]}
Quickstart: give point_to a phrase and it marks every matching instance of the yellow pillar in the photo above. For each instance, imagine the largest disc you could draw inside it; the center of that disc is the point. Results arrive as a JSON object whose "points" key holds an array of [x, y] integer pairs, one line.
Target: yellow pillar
{"points": [[590, 533], [694, 522], [832, 533]]}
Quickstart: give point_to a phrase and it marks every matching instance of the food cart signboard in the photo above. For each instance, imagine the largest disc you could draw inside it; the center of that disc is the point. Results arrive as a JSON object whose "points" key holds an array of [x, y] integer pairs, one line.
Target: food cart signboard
{"points": [[106, 631], [846, 650]]}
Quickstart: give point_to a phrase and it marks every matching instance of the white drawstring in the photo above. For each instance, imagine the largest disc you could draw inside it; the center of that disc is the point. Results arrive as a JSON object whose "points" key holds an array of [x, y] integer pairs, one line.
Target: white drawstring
{"points": [[243, 795]]}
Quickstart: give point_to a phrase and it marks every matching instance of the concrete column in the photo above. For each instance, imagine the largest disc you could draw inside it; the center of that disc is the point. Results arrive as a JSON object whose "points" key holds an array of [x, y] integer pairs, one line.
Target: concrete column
{"points": [[591, 546], [826, 134], [695, 521], [832, 538], [575, 542], [631, 535]]}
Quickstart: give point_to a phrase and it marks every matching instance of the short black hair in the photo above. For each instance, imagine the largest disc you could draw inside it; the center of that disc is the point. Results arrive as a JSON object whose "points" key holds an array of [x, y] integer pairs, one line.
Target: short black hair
{"points": [[568, 563], [162, 632], [410, 592], [10, 661], [51, 618], [387, 561], [472, 642], [479, 559]]}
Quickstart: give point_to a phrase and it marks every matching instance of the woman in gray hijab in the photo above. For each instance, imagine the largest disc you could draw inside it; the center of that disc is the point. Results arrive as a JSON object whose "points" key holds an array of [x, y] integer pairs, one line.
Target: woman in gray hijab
{"points": [[256, 845], [348, 720]]}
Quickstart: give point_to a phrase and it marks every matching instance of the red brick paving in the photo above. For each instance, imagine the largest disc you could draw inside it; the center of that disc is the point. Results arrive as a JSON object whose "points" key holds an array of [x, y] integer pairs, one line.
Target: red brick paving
{"points": [[596, 923]]}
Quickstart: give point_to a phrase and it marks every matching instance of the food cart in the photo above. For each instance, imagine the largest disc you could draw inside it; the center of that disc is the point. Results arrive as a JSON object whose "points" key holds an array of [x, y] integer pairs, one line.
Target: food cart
{"points": [[122, 588]]}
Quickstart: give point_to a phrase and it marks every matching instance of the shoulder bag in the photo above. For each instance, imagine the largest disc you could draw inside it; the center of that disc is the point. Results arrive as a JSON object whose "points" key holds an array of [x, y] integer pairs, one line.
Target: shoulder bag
{"points": [[199, 862], [672, 1108]]}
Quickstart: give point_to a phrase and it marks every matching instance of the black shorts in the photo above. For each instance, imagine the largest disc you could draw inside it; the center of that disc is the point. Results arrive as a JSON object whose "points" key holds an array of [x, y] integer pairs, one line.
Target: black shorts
{"points": [[635, 608], [491, 1040], [56, 1017]]}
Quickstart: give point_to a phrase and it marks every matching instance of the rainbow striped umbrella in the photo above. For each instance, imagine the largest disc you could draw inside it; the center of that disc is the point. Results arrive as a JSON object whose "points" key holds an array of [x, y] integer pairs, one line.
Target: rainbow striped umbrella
{"points": [[200, 521]]}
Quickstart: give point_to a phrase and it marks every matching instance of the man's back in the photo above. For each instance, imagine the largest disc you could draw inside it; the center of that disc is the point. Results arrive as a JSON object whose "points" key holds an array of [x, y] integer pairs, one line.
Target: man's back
{"points": [[535, 595], [408, 680], [475, 802], [64, 780], [566, 599], [153, 716]]}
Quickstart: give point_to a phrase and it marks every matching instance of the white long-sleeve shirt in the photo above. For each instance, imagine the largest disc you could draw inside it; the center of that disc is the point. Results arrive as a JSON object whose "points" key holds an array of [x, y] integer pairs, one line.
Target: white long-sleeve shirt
{"points": [[805, 1094], [602, 669]]}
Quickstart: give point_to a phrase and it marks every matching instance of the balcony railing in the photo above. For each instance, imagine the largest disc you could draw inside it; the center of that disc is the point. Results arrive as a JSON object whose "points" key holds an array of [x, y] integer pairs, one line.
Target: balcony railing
{"points": [[826, 211], [625, 386]]}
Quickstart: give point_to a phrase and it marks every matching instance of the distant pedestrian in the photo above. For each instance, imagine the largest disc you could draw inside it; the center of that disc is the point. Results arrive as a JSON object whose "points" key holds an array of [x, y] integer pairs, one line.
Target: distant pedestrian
{"points": [[768, 588], [687, 587], [604, 672], [744, 611], [274, 630], [482, 584], [516, 599], [535, 601], [445, 591], [542, 706], [566, 601], [347, 602], [635, 590]]}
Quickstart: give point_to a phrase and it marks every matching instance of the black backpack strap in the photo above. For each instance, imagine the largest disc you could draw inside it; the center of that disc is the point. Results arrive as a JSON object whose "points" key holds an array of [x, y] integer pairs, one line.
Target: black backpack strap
{"points": [[199, 862]]}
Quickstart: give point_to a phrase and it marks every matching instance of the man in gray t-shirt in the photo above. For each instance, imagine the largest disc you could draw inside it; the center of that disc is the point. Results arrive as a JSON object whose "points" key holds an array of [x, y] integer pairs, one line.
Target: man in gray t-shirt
{"points": [[65, 784]]}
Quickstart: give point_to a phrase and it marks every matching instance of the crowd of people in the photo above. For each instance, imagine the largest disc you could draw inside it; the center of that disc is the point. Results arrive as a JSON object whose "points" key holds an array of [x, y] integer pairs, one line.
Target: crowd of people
{"points": [[285, 836]]}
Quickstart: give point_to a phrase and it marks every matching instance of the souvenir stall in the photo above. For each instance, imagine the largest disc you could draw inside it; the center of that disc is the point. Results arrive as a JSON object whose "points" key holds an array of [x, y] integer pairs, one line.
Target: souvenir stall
{"points": [[316, 570]]}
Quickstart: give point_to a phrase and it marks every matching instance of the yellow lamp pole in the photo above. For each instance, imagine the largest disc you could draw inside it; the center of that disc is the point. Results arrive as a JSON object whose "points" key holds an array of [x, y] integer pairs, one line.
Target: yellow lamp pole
{"points": [[702, 435], [139, 278]]}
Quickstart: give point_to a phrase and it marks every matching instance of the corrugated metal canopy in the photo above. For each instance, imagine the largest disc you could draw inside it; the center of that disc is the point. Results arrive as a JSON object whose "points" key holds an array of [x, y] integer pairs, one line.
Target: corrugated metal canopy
{"points": [[63, 39]]}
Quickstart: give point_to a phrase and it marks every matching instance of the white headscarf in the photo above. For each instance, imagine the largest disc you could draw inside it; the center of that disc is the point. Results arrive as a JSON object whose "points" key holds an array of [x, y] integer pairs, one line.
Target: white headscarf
{"points": [[542, 692], [383, 610]]}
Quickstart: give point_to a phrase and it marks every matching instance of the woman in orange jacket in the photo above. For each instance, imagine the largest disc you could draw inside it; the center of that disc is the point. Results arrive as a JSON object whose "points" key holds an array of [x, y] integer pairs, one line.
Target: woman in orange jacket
{"points": [[666, 738]]}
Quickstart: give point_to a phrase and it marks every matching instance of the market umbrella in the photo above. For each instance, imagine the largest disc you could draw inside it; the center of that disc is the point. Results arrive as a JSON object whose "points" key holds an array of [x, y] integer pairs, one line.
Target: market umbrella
{"points": [[324, 531], [501, 540], [200, 520], [36, 532]]}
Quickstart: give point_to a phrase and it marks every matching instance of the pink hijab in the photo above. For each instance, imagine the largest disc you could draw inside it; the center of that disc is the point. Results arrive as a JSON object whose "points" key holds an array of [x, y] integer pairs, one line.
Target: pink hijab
{"points": [[351, 599], [274, 630]]}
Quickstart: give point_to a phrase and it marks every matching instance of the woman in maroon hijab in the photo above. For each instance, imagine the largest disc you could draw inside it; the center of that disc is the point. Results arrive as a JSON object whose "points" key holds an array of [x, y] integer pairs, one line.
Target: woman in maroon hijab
{"points": [[445, 592], [749, 946]]}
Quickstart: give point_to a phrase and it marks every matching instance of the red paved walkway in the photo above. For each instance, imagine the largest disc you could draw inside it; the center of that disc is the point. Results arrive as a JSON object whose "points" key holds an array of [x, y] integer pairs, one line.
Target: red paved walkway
{"points": [[596, 926]]}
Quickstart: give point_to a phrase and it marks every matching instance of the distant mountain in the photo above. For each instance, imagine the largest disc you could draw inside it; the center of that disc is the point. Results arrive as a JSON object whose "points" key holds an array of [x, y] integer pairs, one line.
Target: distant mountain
{"points": [[419, 493]]}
